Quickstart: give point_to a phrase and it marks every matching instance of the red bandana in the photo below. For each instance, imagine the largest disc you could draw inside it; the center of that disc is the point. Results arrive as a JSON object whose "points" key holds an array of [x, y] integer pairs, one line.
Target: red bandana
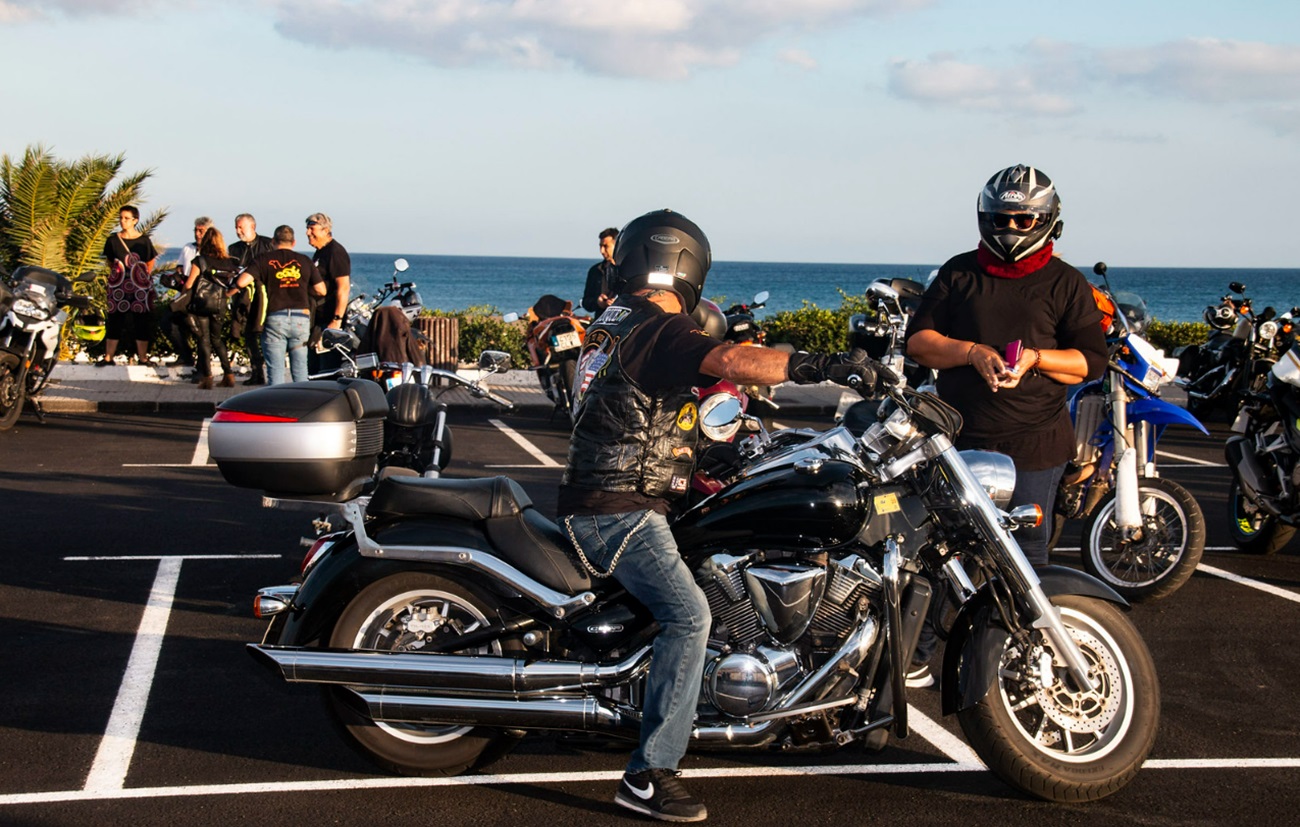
{"points": [[995, 266]]}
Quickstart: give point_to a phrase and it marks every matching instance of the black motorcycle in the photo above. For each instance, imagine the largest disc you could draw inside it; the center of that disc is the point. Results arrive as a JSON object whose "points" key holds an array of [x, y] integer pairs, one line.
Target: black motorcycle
{"points": [[1264, 499], [449, 618], [1235, 360]]}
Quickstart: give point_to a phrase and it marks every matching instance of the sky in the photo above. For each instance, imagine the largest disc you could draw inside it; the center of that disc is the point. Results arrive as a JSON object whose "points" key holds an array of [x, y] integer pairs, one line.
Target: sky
{"points": [[846, 131]]}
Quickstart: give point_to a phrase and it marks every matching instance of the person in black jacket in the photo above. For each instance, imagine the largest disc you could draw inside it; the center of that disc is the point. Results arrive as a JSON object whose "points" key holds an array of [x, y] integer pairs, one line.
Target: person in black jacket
{"points": [[1009, 327], [213, 262], [602, 279], [243, 313]]}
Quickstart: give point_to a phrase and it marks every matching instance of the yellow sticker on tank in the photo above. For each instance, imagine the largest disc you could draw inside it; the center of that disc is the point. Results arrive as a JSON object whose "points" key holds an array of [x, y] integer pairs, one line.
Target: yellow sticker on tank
{"points": [[687, 416], [886, 503]]}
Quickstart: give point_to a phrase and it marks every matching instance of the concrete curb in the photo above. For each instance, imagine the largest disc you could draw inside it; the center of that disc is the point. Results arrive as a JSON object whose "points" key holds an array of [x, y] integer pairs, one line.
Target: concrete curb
{"points": [[123, 389]]}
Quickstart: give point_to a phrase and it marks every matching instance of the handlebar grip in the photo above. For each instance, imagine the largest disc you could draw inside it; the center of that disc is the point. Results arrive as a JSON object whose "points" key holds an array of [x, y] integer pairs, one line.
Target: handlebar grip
{"points": [[501, 400]]}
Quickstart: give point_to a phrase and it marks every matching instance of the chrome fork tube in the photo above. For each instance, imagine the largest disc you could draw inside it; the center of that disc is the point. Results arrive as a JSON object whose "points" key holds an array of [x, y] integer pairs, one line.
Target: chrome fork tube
{"points": [[1014, 565]]}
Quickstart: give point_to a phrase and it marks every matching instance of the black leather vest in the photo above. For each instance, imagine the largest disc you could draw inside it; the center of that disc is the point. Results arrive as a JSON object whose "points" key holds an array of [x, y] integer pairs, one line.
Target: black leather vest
{"points": [[625, 439]]}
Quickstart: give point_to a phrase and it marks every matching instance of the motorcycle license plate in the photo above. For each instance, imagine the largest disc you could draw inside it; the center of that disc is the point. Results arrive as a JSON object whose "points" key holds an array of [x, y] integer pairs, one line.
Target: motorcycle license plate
{"points": [[565, 341]]}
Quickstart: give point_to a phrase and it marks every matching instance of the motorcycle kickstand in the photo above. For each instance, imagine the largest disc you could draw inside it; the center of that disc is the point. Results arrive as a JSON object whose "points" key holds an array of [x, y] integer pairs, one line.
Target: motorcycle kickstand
{"points": [[38, 409]]}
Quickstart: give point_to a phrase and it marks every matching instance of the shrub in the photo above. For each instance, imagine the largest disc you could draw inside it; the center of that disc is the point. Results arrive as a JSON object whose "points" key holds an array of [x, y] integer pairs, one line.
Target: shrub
{"points": [[1169, 336], [481, 328], [813, 328]]}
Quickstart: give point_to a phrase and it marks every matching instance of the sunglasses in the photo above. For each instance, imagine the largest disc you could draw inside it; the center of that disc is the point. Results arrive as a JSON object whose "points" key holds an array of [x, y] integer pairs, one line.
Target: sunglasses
{"points": [[1017, 221], [313, 223]]}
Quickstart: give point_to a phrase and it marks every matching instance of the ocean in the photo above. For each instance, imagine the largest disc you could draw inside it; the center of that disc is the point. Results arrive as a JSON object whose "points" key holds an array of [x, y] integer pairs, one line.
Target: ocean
{"points": [[508, 284]]}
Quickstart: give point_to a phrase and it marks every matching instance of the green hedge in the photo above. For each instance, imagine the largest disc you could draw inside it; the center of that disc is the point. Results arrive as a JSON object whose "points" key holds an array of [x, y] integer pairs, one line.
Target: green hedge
{"points": [[1169, 336]]}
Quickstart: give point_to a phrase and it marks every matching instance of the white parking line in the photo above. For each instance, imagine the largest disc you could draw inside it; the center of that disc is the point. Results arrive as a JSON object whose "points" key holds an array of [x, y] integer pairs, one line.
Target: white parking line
{"points": [[108, 772], [947, 743], [201, 449], [200, 458], [1246, 581], [537, 453], [1191, 460], [535, 778]]}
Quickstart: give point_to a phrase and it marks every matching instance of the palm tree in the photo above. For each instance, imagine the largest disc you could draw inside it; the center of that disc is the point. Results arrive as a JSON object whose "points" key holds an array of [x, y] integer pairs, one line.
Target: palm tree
{"points": [[56, 214]]}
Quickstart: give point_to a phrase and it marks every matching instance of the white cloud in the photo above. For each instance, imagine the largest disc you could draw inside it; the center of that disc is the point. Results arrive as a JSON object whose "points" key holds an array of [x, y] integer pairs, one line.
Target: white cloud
{"points": [[1047, 78], [1209, 70], [799, 58], [943, 80], [638, 38]]}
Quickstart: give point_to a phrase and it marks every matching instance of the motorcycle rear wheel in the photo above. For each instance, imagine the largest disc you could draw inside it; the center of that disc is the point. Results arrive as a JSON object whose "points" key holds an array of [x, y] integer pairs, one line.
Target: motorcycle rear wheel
{"points": [[1252, 529], [394, 615], [1061, 745], [564, 377], [11, 398], [1159, 564]]}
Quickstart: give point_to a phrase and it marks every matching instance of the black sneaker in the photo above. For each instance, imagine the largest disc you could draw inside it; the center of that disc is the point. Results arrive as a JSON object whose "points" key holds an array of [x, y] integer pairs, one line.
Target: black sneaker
{"points": [[918, 676], [658, 794]]}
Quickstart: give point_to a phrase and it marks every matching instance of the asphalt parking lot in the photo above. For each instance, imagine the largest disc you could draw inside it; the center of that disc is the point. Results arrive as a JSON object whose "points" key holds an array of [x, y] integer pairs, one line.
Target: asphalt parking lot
{"points": [[125, 591]]}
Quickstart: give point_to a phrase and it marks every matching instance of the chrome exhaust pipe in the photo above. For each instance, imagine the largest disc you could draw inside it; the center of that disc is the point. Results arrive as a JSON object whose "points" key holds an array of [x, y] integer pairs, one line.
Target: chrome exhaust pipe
{"points": [[387, 705], [541, 713], [447, 672]]}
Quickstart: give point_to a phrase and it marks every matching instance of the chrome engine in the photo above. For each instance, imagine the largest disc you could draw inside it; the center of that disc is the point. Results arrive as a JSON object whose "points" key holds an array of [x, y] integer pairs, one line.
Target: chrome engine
{"points": [[770, 621]]}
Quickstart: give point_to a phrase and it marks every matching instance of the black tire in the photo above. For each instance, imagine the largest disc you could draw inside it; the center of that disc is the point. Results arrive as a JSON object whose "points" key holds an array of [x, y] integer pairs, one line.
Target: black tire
{"points": [[564, 377], [386, 606], [11, 398], [1173, 540], [1251, 528], [1058, 528], [1066, 746]]}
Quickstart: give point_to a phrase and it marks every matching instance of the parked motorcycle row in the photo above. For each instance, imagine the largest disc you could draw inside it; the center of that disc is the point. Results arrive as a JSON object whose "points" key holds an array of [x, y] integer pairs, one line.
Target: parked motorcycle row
{"points": [[445, 619]]}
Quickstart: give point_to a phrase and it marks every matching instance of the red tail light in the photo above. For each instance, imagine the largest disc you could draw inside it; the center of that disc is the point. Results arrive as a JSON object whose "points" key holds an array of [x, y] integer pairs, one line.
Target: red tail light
{"points": [[241, 416]]}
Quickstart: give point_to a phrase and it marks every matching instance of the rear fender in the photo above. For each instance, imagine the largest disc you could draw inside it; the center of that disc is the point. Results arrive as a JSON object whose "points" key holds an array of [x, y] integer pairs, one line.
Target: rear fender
{"points": [[342, 572], [978, 638]]}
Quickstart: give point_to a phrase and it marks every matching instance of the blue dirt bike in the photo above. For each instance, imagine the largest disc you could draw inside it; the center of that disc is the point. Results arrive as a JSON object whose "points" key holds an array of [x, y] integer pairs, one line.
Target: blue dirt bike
{"points": [[1143, 535]]}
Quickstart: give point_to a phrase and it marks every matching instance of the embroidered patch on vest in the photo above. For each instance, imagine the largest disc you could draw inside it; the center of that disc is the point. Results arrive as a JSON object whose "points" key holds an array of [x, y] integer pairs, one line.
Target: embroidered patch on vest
{"points": [[688, 416]]}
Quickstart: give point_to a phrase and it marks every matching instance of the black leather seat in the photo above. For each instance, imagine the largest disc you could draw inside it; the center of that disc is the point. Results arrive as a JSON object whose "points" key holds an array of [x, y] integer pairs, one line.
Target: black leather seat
{"points": [[519, 532]]}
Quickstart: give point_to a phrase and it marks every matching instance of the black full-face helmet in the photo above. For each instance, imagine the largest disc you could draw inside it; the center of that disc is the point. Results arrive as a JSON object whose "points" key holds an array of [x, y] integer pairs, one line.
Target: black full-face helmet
{"points": [[711, 319], [1004, 204], [667, 250]]}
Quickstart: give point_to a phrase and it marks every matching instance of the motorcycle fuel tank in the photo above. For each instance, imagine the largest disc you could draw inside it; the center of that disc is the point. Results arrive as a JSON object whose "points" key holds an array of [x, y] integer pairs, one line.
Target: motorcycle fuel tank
{"points": [[804, 502]]}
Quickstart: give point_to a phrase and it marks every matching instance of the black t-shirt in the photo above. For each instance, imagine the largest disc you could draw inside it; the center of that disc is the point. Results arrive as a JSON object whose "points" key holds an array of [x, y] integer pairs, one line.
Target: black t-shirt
{"points": [[116, 247], [662, 353], [287, 277], [1051, 308], [334, 263]]}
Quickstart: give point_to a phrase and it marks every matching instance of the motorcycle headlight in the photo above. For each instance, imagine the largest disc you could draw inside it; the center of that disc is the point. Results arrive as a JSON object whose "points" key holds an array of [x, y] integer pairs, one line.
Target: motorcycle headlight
{"points": [[709, 425], [32, 310], [1268, 330], [996, 473]]}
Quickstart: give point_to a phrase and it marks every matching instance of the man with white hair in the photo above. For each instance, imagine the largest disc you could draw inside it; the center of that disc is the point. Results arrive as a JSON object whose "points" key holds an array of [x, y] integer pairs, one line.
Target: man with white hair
{"points": [[336, 268]]}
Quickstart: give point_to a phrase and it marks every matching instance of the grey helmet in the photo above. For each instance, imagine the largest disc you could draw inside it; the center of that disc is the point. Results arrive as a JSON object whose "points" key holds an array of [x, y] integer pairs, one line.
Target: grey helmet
{"points": [[1019, 189], [664, 249]]}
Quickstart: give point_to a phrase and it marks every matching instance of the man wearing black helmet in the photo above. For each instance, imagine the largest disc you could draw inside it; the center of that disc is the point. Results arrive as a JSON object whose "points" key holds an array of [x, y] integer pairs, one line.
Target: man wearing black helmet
{"points": [[1009, 327], [632, 452]]}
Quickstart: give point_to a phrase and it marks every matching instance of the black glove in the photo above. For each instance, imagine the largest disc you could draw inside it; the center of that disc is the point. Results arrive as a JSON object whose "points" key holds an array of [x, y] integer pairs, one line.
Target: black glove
{"points": [[809, 368]]}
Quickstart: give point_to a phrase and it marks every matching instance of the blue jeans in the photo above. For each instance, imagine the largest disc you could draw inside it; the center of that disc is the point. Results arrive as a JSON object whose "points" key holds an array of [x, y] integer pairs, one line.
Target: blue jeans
{"points": [[286, 333], [653, 572], [1031, 487]]}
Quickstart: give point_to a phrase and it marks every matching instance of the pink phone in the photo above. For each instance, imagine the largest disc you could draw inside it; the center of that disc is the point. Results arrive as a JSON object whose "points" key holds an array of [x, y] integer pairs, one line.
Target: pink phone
{"points": [[1013, 354]]}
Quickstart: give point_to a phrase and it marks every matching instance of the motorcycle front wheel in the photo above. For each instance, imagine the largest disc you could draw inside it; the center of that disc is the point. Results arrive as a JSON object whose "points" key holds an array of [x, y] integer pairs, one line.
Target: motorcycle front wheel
{"points": [[1058, 744], [1166, 554], [11, 398], [1253, 529], [406, 613]]}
